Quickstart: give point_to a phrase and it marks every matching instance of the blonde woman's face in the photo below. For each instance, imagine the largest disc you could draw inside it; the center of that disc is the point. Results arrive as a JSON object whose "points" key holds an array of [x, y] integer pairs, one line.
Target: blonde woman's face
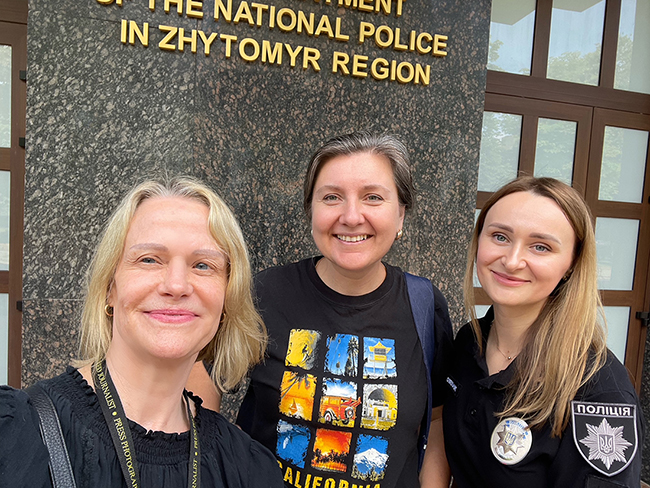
{"points": [[524, 249], [170, 284]]}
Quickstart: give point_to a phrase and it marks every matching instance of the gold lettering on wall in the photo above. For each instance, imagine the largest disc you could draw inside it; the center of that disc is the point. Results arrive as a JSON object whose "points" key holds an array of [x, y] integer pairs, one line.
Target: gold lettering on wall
{"points": [[247, 14]]}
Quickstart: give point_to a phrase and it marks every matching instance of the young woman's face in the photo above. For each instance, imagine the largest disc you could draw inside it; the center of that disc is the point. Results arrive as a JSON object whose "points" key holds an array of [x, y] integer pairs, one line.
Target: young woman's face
{"points": [[524, 249], [169, 286], [356, 211]]}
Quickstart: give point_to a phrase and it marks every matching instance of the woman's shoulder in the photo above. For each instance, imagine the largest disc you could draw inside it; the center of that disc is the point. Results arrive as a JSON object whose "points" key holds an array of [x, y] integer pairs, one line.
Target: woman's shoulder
{"points": [[271, 276], [23, 457], [465, 334], [611, 383], [439, 297], [237, 449], [13, 402]]}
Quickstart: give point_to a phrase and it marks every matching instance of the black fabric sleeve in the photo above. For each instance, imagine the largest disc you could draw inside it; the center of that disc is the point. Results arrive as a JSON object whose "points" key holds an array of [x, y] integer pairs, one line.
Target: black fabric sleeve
{"points": [[265, 472], [444, 337], [23, 456], [569, 469]]}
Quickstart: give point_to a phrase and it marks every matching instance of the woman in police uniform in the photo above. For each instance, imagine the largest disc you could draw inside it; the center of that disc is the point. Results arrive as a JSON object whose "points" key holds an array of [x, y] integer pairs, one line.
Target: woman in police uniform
{"points": [[537, 399]]}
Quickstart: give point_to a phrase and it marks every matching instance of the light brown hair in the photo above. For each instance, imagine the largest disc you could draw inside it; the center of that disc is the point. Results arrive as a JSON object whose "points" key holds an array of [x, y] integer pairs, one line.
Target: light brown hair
{"points": [[386, 145], [565, 346]]}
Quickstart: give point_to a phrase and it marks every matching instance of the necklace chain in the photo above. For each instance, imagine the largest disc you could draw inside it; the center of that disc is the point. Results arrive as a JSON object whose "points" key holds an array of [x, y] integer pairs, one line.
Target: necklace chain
{"points": [[496, 344]]}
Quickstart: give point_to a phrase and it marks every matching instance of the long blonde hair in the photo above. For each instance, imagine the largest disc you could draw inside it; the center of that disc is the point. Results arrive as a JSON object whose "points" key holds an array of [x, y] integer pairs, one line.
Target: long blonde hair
{"points": [[565, 346], [240, 341]]}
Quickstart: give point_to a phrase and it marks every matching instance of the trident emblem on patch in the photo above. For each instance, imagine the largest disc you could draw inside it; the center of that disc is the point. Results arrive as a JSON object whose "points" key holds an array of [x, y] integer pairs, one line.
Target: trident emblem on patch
{"points": [[605, 434]]}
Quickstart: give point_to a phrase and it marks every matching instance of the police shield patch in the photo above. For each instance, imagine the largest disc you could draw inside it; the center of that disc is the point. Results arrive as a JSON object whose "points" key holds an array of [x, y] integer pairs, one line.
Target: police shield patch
{"points": [[605, 434]]}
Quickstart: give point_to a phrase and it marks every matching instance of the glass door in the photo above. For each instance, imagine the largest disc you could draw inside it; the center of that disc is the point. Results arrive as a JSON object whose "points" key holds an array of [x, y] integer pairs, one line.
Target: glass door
{"points": [[617, 193]]}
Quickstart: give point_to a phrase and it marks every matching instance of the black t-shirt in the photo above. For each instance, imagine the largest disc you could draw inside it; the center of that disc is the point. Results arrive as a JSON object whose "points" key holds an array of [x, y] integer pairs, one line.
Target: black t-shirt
{"points": [[229, 457], [599, 448], [343, 391]]}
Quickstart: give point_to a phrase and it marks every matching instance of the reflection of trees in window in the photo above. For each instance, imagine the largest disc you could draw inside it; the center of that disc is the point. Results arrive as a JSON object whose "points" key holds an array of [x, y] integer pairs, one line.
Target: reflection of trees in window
{"points": [[5, 96], [556, 140], [493, 57], [575, 67], [623, 77], [623, 162], [499, 150], [610, 171]]}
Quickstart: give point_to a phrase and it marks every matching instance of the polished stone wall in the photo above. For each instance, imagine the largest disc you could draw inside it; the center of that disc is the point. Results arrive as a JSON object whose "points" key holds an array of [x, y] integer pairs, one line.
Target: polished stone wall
{"points": [[103, 114]]}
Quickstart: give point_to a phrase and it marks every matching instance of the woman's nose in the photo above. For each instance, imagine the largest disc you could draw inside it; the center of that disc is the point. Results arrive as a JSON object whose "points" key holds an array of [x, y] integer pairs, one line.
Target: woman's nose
{"points": [[513, 258], [175, 281], [352, 214]]}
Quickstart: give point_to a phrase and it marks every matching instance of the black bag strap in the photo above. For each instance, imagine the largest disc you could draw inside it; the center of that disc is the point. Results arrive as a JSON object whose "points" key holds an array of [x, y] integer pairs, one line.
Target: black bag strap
{"points": [[60, 468]]}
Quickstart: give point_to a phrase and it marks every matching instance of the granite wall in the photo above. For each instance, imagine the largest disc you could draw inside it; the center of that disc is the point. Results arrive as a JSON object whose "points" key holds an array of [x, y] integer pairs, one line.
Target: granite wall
{"points": [[103, 114]]}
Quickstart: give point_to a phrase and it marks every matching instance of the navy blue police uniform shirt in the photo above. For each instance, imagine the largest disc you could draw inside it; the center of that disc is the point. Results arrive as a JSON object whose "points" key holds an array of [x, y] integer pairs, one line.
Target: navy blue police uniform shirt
{"points": [[600, 448]]}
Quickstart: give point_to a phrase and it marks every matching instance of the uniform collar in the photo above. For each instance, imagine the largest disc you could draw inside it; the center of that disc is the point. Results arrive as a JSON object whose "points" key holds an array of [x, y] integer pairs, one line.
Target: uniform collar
{"points": [[497, 380]]}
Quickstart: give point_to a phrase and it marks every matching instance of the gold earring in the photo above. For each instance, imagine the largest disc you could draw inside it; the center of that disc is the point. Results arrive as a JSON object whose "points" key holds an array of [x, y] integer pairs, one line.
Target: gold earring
{"points": [[108, 310], [399, 235]]}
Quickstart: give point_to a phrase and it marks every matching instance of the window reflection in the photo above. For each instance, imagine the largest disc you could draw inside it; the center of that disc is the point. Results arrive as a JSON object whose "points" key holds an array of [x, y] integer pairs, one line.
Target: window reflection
{"points": [[499, 158], [623, 165], [576, 40], [618, 320], [632, 59], [616, 245], [5, 96], [5, 202], [4, 338], [511, 36], [555, 149]]}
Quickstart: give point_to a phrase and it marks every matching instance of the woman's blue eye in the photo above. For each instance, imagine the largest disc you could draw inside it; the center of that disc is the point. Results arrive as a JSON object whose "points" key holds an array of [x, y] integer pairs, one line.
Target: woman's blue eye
{"points": [[541, 248], [149, 260], [203, 267], [500, 237]]}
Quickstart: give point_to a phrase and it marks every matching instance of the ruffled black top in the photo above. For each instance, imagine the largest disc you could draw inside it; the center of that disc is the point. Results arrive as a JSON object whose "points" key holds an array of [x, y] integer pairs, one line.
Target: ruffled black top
{"points": [[229, 457]]}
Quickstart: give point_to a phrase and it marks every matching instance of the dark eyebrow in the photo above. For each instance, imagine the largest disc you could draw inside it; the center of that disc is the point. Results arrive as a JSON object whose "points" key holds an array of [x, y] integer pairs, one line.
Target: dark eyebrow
{"points": [[507, 228]]}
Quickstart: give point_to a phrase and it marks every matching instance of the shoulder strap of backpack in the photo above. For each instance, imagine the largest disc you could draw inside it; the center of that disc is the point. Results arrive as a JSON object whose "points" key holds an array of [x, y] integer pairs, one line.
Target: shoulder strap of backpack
{"points": [[423, 306]]}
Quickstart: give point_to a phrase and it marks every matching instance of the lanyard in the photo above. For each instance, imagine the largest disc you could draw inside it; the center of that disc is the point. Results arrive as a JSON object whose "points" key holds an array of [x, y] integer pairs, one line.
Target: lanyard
{"points": [[118, 426]]}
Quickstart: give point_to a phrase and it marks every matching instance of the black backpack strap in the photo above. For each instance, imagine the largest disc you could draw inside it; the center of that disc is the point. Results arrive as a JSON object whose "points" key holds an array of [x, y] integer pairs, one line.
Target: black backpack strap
{"points": [[60, 468], [422, 298]]}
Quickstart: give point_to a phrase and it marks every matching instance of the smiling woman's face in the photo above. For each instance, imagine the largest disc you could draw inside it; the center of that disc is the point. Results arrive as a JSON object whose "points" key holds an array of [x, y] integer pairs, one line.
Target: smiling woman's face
{"points": [[169, 286], [524, 249], [355, 212]]}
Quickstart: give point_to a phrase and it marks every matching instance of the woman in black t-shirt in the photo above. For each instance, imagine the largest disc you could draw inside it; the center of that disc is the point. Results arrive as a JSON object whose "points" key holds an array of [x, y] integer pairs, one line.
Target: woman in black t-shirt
{"points": [[345, 394]]}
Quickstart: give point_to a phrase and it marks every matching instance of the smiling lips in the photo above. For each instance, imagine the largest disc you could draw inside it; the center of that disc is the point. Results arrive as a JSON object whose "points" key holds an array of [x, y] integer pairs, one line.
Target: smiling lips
{"points": [[359, 238], [172, 316], [508, 280]]}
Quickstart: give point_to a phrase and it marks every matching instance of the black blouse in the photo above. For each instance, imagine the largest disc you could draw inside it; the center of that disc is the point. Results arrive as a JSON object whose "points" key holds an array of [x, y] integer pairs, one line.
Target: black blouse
{"points": [[229, 457]]}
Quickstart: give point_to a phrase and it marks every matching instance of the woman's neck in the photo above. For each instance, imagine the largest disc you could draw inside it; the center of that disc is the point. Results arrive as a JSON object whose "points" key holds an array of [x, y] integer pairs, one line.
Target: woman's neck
{"points": [[506, 338], [351, 283], [510, 327], [151, 394]]}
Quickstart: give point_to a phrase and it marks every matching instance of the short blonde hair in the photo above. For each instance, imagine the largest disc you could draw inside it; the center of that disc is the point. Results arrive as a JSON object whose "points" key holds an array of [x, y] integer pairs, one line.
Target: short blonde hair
{"points": [[566, 345], [240, 341]]}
